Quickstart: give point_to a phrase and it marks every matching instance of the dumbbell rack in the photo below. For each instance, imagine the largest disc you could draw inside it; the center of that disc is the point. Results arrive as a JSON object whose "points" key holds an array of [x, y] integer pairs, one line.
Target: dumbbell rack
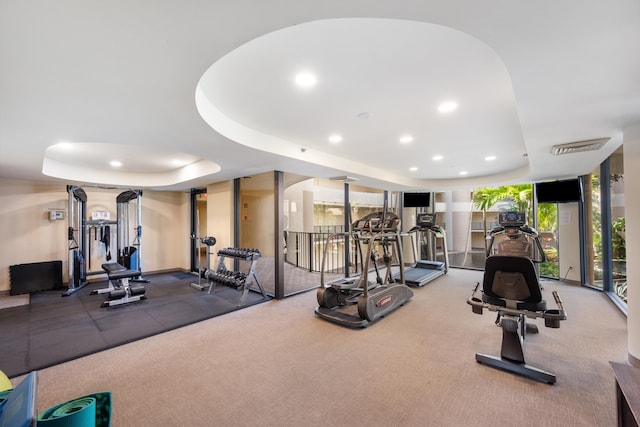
{"points": [[236, 279]]}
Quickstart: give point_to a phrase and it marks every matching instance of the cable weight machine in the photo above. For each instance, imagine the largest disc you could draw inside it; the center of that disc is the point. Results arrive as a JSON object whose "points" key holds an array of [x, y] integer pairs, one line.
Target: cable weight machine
{"points": [[80, 246], [130, 256], [77, 242]]}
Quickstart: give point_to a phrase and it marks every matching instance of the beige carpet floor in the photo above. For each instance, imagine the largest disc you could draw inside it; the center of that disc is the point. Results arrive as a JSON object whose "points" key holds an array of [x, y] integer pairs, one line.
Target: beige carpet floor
{"points": [[277, 364]]}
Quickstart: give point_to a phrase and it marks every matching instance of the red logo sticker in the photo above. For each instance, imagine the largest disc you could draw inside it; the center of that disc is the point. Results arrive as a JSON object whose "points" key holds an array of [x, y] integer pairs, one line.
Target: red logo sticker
{"points": [[384, 301]]}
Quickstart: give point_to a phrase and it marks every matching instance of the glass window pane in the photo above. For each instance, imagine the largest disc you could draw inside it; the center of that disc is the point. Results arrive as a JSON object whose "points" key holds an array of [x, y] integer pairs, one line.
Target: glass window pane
{"points": [[548, 231], [618, 242], [595, 233], [464, 227], [257, 216]]}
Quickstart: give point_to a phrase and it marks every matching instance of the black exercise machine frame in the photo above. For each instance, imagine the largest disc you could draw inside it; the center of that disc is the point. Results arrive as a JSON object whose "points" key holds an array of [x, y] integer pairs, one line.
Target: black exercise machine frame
{"points": [[514, 329], [239, 280], [513, 311], [424, 271], [372, 300]]}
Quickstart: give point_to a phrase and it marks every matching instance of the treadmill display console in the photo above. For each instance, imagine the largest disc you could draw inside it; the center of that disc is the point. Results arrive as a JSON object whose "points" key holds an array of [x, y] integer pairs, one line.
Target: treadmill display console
{"points": [[426, 219], [374, 222], [512, 219]]}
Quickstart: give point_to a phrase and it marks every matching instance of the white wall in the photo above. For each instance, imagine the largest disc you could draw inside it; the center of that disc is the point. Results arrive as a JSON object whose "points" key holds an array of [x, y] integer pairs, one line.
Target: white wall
{"points": [[632, 207], [569, 241]]}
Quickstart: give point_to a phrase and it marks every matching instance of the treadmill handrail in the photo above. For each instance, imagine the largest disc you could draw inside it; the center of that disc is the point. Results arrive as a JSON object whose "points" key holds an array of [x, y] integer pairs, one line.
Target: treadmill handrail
{"points": [[530, 231]]}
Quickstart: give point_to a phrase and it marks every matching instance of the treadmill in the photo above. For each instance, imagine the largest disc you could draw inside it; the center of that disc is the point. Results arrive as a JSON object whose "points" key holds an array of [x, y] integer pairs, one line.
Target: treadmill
{"points": [[424, 271]]}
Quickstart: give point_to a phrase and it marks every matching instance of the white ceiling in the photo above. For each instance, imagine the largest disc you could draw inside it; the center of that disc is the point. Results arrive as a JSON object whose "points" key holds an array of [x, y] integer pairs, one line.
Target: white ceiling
{"points": [[210, 85]]}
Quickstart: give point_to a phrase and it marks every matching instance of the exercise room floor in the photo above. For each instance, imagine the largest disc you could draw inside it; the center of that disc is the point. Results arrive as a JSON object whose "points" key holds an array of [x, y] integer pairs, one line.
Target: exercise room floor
{"points": [[53, 329]]}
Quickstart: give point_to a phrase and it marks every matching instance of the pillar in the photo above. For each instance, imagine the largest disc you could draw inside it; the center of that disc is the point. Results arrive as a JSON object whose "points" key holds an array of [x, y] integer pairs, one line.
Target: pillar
{"points": [[632, 215]]}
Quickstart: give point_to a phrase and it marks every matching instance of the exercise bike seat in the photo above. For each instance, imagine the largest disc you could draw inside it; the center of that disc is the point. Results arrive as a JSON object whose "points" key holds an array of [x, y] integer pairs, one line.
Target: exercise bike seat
{"points": [[511, 281]]}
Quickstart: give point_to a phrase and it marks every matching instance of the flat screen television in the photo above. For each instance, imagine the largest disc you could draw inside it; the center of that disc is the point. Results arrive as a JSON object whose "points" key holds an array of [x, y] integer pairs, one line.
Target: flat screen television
{"points": [[566, 191], [416, 200]]}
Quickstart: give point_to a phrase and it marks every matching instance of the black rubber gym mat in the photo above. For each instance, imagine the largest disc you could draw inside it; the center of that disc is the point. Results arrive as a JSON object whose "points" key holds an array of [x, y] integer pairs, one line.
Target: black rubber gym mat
{"points": [[53, 329]]}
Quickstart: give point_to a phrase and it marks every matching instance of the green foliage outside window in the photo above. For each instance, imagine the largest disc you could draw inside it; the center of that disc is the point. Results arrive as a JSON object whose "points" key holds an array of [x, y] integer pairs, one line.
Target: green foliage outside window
{"points": [[520, 197]]}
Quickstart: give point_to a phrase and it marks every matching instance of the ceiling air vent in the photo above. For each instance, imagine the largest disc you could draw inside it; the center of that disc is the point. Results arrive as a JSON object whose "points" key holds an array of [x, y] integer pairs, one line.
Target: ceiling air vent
{"points": [[576, 147], [345, 178]]}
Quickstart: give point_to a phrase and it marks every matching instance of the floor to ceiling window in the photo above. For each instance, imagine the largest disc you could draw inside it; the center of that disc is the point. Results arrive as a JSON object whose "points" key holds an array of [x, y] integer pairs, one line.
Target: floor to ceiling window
{"points": [[547, 228], [464, 225], [594, 232], [605, 231], [256, 219], [618, 236]]}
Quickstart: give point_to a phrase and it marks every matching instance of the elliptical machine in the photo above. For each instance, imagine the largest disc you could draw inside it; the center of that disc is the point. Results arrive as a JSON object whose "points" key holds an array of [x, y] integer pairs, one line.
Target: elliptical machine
{"points": [[358, 301]]}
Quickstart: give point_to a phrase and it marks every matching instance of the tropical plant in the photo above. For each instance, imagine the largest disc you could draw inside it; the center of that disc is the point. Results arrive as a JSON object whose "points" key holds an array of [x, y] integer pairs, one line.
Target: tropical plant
{"points": [[618, 242], [519, 195], [519, 198]]}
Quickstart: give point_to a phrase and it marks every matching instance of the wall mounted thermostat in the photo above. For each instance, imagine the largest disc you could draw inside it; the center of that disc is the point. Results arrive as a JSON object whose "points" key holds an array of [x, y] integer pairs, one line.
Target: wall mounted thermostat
{"points": [[54, 215]]}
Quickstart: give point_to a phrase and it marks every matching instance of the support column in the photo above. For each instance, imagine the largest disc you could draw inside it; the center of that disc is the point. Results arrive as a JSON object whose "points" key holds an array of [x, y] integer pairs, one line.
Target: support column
{"points": [[632, 215], [278, 190]]}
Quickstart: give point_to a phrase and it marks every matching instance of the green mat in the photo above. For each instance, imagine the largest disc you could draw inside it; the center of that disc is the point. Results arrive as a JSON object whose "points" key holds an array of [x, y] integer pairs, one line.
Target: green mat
{"points": [[93, 410]]}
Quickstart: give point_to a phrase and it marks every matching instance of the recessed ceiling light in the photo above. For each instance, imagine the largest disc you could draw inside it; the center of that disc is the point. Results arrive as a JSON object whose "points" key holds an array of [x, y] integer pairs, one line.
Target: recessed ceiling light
{"points": [[405, 139], [115, 163], [447, 107], [365, 116], [335, 138], [463, 172], [306, 80], [437, 157], [413, 168], [490, 158]]}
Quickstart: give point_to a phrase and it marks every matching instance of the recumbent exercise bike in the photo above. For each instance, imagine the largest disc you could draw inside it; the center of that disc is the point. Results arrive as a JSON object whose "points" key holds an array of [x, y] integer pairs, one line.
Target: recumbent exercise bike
{"points": [[511, 288]]}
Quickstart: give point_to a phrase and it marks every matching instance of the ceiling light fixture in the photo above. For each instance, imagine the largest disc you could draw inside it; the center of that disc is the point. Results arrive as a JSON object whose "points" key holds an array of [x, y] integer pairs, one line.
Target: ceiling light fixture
{"points": [[447, 107], [437, 158], [405, 139], [463, 172], [335, 138], [413, 168], [365, 116], [490, 158], [115, 163], [306, 80]]}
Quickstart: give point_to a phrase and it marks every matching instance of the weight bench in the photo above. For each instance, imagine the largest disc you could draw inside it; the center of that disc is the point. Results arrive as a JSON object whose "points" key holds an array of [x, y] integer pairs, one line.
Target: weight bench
{"points": [[511, 288], [120, 291]]}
